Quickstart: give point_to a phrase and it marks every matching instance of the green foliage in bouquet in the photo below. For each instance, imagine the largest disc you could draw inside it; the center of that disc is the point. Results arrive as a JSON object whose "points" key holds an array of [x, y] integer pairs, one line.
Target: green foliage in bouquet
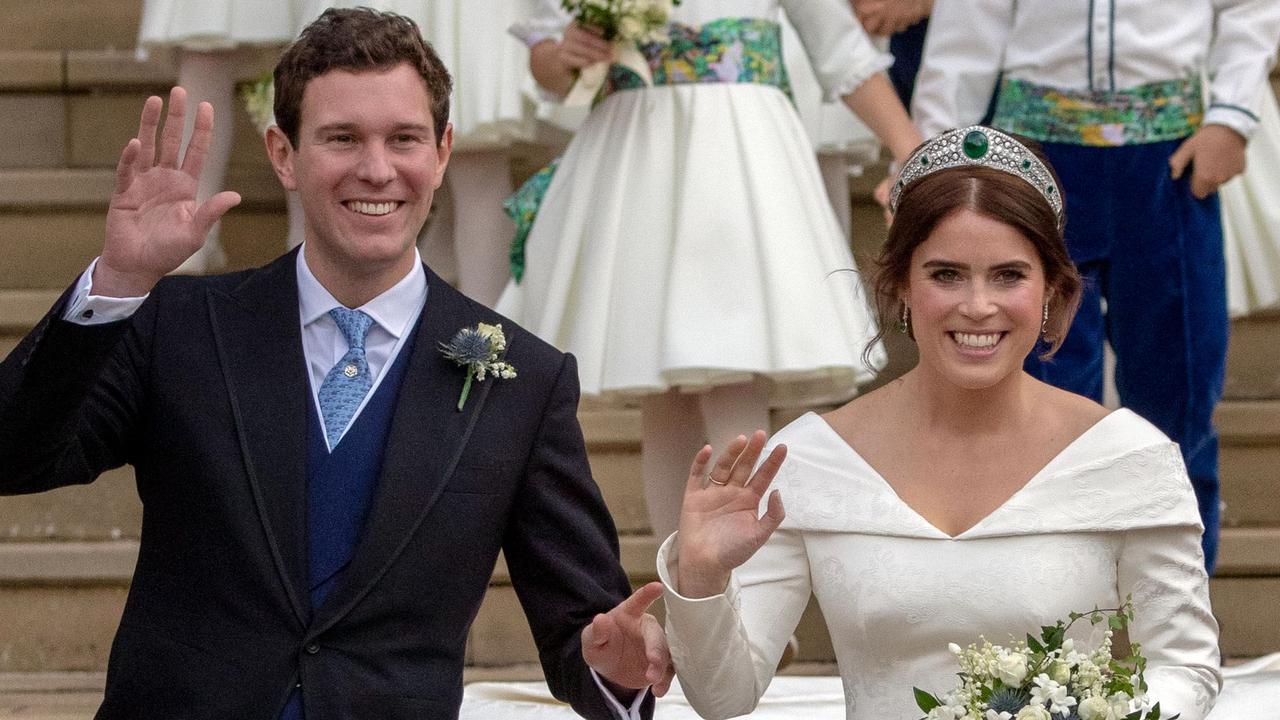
{"points": [[1043, 677]]}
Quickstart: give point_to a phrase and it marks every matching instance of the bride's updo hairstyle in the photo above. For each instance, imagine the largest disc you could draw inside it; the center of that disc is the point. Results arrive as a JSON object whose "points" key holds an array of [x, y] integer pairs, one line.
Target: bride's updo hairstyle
{"points": [[998, 194]]}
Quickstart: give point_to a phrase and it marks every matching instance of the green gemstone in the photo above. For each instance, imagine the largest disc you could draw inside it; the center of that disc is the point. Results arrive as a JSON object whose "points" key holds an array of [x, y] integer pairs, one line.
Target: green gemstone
{"points": [[1048, 189], [976, 144], [1026, 165], [924, 160]]}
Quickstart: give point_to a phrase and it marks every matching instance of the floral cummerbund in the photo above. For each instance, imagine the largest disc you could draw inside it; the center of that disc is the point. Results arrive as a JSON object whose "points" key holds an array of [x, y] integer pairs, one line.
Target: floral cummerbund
{"points": [[1155, 112]]}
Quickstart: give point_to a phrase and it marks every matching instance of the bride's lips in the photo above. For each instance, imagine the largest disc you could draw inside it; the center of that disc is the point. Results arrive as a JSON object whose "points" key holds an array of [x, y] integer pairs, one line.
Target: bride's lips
{"points": [[980, 344]]}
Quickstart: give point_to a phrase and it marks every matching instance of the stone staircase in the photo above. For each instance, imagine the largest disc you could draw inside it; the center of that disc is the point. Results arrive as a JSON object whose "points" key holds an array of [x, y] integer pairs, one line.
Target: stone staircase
{"points": [[70, 92]]}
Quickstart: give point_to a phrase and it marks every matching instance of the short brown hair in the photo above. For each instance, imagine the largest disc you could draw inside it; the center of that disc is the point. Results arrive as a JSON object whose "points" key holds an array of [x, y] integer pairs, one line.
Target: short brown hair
{"points": [[1011, 200], [357, 39]]}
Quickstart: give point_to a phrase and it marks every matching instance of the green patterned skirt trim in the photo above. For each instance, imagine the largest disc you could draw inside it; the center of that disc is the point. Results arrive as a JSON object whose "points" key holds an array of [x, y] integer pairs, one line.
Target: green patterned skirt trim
{"points": [[728, 50], [1149, 113]]}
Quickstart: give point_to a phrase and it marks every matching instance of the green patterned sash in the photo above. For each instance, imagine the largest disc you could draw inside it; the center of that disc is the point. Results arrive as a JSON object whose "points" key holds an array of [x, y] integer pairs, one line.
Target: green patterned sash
{"points": [[1149, 113], [727, 50]]}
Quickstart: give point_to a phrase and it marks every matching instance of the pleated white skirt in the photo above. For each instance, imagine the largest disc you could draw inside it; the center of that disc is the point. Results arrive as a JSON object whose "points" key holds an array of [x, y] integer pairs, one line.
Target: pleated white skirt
{"points": [[1251, 220], [686, 241]]}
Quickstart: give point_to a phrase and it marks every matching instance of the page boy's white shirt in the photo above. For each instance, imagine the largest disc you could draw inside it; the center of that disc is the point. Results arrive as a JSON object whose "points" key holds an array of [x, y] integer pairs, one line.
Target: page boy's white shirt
{"points": [[1095, 45]]}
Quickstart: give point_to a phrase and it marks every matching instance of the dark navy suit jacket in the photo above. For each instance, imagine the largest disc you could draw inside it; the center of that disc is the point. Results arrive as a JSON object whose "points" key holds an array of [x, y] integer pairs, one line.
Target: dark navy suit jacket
{"points": [[204, 392]]}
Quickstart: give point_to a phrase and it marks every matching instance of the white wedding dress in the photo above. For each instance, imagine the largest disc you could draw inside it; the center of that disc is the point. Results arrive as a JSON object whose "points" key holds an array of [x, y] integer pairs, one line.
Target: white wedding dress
{"points": [[1112, 515], [686, 239]]}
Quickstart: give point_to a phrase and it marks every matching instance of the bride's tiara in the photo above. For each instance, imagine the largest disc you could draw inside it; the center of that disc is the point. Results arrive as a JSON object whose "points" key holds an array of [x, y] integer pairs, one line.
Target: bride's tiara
{"points": [[982, 146]]}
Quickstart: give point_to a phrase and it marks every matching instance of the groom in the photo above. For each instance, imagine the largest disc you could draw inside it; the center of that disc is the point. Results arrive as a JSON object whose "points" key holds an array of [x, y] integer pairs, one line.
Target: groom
{"points": [[321, 512]]}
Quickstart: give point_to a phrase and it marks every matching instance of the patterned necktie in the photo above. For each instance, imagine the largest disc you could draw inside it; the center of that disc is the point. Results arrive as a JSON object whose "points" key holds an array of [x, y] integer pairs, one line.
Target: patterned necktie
{"points": [[349, 381]]}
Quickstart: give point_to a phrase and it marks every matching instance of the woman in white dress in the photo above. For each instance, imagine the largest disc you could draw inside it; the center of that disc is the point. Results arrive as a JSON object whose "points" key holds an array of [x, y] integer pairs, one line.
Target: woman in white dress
{"points": [[684, 250], [964, 499], [211, 39], [1251, 219], [470, 239]]}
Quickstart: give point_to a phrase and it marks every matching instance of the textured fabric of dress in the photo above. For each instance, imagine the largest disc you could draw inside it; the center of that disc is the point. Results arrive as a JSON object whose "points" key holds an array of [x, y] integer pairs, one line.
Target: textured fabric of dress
{"points": [[1112, 514], [491, 80], [686, 239], [1251, 219], [214, 24]]}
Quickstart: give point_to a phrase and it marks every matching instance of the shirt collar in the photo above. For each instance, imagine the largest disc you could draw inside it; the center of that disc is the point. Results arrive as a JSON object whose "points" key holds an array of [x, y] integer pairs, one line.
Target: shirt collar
{"points": [[393, 310]]}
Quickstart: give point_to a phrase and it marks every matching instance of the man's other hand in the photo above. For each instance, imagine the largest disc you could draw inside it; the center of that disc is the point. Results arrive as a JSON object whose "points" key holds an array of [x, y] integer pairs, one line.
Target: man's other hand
{"points": [[627, 645]]}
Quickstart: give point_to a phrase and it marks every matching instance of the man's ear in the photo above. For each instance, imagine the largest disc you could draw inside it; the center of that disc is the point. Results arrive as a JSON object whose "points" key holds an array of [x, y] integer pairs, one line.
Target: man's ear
{"points": [[443, 150], [280, 153]]}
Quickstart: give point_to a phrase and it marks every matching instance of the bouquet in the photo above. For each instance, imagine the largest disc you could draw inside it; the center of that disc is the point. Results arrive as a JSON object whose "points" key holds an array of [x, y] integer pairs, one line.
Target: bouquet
{"points": [[627, 24], [259, 98], [1047, 678]]}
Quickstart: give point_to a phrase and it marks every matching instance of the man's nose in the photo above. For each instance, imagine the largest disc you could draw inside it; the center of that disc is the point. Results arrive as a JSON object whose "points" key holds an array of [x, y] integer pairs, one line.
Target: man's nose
{"points": [[375, 165]]}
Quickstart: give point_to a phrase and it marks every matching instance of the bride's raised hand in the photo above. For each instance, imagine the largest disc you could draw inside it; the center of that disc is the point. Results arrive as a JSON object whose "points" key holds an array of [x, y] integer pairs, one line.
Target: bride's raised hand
{"points": [[719, 526]]}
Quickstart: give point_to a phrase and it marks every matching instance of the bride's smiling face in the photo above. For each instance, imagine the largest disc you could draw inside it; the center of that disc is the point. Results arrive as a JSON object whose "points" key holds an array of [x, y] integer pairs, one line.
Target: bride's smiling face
{"points": [[976, 291]]}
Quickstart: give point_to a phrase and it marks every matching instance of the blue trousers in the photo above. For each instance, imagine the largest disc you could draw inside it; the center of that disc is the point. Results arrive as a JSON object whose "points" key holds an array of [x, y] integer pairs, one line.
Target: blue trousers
{"points": [[1153, 254]]}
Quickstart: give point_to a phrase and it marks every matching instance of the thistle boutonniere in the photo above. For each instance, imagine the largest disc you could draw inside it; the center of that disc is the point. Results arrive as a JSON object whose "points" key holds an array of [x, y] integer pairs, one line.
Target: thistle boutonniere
{"points": [[477, 350]]}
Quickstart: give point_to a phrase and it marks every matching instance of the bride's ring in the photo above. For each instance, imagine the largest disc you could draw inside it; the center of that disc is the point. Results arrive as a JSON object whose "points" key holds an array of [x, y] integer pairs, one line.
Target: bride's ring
{"points": [[714, 481]]}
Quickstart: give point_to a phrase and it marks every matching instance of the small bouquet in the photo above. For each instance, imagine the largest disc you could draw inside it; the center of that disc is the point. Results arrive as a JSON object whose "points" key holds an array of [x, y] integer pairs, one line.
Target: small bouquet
{"points": [[478, 351], [1047, 678], [627, 24]]}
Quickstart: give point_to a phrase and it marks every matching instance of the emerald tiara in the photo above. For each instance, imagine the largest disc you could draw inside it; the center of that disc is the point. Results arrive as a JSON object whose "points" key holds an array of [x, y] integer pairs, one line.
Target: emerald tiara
{"points": [[984, 147]]}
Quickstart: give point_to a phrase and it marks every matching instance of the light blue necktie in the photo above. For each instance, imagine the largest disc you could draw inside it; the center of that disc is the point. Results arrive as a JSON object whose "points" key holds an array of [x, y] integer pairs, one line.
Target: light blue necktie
{"points": [[349, 381]]}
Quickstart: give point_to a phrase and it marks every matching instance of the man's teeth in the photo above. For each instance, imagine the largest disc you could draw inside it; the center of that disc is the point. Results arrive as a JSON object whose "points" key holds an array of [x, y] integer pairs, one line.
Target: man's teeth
{"points": [[977, 341], [368, 208]]}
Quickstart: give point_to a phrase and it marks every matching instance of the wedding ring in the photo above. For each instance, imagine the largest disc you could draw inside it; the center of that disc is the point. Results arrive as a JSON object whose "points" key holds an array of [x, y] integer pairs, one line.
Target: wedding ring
{"points": [[714, 481]]}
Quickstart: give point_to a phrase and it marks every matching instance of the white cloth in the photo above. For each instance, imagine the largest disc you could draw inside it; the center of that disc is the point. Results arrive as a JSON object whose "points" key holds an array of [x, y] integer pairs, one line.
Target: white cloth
{"points": [[490, 69], [831, 126], [1250, 693], [1102, 45], [1251, 220], [686, 239], [214, 24], [1112, 514]]}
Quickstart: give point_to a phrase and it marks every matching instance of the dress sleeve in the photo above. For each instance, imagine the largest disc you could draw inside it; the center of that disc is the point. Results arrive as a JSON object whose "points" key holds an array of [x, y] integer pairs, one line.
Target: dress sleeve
{"points": [[962, 56], [1163, 569], [839, 50], [1243, 51], [726, 647], [547, 22]]}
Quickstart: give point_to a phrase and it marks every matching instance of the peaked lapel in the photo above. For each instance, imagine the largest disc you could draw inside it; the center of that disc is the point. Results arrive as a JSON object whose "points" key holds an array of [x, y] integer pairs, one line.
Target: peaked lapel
{"points": [[428, 434], [259, 343]]}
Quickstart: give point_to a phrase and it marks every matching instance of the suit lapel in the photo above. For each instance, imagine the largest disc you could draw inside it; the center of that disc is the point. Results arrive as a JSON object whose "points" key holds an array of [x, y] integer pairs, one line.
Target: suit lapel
{"points": [[426, 439], [259, 344]]}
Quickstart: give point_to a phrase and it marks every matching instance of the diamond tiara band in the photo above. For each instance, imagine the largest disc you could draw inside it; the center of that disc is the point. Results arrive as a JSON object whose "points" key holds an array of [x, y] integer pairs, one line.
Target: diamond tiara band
{"points": [[983, 147]]}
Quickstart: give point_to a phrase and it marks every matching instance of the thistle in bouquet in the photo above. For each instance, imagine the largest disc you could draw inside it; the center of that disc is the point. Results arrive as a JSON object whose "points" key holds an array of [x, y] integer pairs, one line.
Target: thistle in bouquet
{"points": [[628, 24], [1048, 678]]}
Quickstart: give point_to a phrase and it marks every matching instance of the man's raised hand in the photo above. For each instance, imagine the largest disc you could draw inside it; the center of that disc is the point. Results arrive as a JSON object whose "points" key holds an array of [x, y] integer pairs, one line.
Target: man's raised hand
{"points": [[154, 222]]}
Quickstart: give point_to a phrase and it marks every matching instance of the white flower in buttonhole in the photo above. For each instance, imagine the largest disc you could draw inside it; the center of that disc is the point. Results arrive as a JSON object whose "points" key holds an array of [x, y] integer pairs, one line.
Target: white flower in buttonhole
{"points": [[1032, 712]]}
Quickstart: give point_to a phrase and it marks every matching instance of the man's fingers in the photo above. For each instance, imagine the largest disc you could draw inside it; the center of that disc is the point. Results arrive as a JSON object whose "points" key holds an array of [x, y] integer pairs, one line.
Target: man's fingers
{"points": [[1181, 157], [198, 146], [127, 167], [597, 634], [171, 136], [213, 209], [640, 600], [147, 131], [698, 469]]}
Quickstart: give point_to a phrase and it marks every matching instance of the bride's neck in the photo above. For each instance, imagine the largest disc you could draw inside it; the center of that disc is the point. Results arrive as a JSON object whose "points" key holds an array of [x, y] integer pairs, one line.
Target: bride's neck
{"points": [[940, 405]]}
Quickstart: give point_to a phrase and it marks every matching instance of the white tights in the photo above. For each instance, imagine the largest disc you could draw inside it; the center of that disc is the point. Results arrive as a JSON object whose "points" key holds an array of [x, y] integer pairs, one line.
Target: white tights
{"points": [[675, 425], [209, 77]]}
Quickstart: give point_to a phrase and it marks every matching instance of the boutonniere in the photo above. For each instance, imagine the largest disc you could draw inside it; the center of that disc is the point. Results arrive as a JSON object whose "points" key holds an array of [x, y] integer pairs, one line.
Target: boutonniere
{"points": [[477, 350]]}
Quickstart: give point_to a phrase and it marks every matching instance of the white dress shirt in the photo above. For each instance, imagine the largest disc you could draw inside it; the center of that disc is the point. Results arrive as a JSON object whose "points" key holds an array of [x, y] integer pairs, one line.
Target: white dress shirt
{"points": [[1096, 45]]}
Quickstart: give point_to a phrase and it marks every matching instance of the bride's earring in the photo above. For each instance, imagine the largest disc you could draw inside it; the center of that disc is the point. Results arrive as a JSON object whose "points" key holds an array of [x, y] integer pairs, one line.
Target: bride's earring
{"points": [[904, 323], [1044, 319]]}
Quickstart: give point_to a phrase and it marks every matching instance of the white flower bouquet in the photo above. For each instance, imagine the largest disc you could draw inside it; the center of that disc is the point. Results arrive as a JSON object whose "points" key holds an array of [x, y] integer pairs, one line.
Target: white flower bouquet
{"points": [[259, 99], [1046, 678], [627, 24]]}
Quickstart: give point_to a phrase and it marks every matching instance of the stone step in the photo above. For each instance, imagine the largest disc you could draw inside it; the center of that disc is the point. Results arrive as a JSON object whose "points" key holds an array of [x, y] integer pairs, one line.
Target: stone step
{"points": [[1253, 365]]}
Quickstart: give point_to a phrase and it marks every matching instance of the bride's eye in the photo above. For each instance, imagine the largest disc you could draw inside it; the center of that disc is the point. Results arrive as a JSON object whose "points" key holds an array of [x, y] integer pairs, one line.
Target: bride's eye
{"points": [[945, 275]]}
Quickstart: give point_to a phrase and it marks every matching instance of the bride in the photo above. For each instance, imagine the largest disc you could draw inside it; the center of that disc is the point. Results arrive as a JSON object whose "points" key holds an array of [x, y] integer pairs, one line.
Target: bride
{"points": [[964, 499]]}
